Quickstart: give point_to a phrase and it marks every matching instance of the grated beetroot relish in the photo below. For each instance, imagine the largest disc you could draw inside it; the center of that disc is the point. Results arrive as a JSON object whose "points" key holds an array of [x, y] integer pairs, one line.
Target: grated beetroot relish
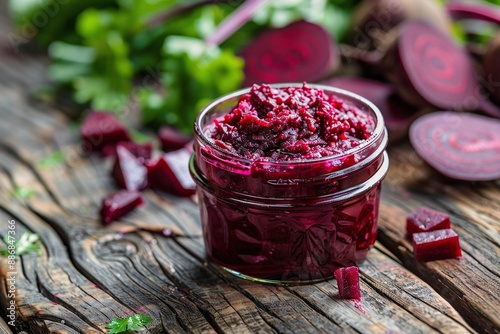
{"points": [[291, 124]]}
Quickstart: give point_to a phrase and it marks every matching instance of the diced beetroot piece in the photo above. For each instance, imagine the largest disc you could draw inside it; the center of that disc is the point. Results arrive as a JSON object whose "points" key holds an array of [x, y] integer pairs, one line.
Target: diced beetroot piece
{"points": [[462, 146], [129, 172], [425, 220], [172, 139], [348, 282], [170, 173], [301, 51], [142, 151], [436, 245], [101, 128], [119, 204]]}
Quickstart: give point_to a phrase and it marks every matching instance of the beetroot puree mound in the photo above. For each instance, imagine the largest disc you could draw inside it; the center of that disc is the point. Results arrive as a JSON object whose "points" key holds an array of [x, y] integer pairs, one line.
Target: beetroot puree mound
{"points": [[290, 124]]}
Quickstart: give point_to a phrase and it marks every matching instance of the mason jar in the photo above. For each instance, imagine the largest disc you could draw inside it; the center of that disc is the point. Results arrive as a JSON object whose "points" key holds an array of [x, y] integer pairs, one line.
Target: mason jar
{"points": [[289, 221]]}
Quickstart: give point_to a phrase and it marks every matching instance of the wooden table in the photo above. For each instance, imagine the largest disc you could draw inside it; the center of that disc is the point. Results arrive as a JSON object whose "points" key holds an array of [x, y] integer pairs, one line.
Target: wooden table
{"points": [[88, 274]]}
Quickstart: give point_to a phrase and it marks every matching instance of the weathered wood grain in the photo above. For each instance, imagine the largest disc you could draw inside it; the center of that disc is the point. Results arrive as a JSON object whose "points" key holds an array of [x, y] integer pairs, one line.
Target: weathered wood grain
{"points": [[168, 277], [4, 328], [471, 284]]}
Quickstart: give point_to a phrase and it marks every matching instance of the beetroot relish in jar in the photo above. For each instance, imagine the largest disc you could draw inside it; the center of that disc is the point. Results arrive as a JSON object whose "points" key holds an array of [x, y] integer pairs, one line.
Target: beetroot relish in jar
{"points": [[289, 180]]}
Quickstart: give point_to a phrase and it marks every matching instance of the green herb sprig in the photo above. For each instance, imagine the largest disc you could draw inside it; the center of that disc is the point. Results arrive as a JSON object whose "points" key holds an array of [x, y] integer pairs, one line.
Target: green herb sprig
{"points": [[27, 243], [129, 323]]}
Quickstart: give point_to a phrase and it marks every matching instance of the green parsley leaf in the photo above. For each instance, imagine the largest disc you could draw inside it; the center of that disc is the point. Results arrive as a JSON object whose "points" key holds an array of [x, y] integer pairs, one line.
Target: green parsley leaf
{"points": [[27, 243], [128, 323], [23, 192], [51, 160], [193, 75]]}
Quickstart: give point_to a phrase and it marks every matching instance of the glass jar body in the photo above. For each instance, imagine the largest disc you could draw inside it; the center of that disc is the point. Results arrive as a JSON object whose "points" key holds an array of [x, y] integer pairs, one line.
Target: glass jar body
{"points": [[289, 222]]}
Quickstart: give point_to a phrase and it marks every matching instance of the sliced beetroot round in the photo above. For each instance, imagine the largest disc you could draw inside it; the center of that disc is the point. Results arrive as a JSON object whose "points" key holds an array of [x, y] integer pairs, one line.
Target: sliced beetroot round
{"points": [[434, 69], [491, 67], [372, 19], [397, 114], [301, 51], [474, 10], [461, 146]]}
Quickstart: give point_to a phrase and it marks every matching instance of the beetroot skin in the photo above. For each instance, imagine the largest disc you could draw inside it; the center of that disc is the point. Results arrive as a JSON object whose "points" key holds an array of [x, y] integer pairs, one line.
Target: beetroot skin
{"points": [[170, 173], [119, 204], [128, 171], [100, 129], [425, 219], [461, 146], [436, 245], [348, 282], [301, 51]]}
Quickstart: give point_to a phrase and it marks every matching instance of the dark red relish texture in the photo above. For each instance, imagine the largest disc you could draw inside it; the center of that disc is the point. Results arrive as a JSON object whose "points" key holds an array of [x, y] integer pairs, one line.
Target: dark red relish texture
{"points": [[290, 124]]}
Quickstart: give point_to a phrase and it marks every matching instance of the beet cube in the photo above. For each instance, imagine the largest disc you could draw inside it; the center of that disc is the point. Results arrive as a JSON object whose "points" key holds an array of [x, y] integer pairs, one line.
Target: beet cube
{"points": [[118, 204], [101, 128], [436, 245], [348, 282], [170, 173], [172, 139], [129, 172], [141, 151], [425, 220]]}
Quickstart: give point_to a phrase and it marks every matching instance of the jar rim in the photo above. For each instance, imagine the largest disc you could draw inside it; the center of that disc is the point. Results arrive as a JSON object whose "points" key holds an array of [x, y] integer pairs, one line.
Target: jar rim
{"points": [[378, 132]]}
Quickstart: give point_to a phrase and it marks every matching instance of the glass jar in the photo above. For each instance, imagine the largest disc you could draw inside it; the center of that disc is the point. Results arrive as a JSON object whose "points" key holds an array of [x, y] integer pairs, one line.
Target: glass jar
{"points": [[288, 222]]}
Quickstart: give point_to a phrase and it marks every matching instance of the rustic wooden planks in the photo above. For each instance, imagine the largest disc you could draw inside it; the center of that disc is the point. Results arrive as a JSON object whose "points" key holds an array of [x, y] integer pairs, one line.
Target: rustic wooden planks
{"points": [[472, 283]]}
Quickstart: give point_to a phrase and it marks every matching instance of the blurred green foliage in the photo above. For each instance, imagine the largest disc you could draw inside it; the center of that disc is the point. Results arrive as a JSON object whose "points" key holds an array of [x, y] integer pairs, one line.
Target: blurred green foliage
{"points": [[152, 52]]}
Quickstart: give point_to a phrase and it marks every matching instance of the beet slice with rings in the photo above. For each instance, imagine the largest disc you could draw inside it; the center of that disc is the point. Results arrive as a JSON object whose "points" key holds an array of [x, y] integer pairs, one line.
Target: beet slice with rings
{"points": [[433, 68], [474, 10], [462, 146], [397, 114], [373, 19], [300, 51]]}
